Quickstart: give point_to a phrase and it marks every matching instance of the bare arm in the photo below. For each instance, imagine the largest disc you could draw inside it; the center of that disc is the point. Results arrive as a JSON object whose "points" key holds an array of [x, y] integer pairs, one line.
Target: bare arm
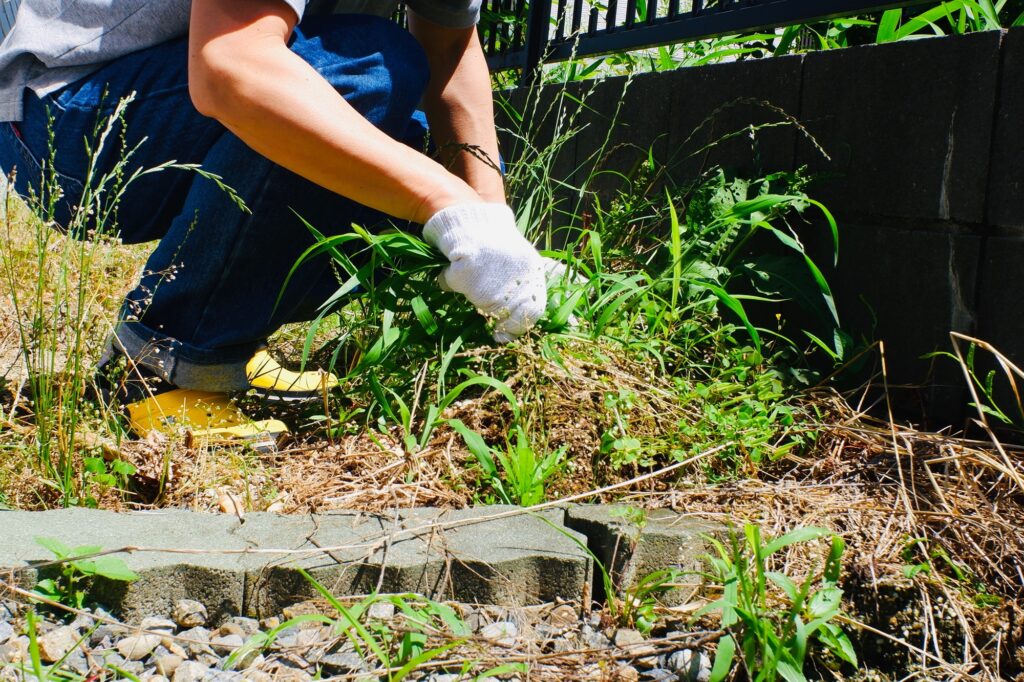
{"points": [[242, 73], [459, 106]]}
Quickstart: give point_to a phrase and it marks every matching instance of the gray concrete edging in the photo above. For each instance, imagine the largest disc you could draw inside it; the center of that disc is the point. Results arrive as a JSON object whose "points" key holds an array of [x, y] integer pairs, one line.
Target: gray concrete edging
{"points": [[250, 566]]}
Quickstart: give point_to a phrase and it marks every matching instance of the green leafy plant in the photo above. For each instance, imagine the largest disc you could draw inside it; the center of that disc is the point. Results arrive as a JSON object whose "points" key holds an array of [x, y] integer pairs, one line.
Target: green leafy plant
{"points": [[71, 586], [771, 632], [637, 605], [954, 17], [518, 473]]}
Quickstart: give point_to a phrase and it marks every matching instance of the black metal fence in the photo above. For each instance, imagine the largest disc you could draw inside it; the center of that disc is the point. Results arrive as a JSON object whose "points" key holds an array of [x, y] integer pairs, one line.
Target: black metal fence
{"points": [[523, 33]]}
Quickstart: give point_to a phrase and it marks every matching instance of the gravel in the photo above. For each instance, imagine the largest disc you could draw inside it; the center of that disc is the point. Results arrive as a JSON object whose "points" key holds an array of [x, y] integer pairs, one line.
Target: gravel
{"points": [[188, 613], [184, 646], [56, 643]]}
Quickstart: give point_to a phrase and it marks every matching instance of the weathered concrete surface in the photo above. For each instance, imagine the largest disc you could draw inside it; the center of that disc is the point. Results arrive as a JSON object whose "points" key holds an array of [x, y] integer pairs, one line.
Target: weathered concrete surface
{"points": [[924, 178], [631, 546], [214, 579], [1006, 175], [251, 566], [459, 555], [908, 124]]}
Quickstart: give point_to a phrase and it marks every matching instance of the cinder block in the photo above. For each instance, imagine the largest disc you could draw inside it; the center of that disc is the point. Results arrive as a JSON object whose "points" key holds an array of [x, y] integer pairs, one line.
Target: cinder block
{"points": [[908, 126], [719, 114], [1006, 181], [197, 570], [1001, 296], [631, 549], [909, 289], [461, 555]]}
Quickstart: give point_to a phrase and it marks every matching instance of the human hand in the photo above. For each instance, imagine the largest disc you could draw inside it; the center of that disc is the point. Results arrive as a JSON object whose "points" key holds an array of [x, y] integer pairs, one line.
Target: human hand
{"points": [[492, 265]]}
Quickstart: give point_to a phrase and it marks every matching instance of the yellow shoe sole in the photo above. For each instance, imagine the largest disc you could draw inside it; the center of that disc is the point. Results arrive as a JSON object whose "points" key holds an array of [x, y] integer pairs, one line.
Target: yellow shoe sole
{"points": [[208, 416], [275, 382]]}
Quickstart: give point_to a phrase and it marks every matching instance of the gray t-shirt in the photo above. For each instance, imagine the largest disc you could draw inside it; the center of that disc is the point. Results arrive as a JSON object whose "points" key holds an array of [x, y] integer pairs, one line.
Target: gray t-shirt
{"points": [[56, 42]]}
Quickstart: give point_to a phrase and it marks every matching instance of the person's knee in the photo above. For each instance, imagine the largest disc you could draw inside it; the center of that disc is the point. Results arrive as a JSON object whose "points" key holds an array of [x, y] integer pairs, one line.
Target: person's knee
{"points": [[377, 66]]}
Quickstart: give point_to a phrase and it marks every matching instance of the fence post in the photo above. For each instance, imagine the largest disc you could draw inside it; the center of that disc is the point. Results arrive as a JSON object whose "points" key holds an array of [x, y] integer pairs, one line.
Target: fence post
{"points": [[538, 25]]}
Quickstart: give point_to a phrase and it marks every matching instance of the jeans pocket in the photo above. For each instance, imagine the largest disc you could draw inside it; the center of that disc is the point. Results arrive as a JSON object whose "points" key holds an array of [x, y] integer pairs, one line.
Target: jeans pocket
{"points": [[32, 178]]}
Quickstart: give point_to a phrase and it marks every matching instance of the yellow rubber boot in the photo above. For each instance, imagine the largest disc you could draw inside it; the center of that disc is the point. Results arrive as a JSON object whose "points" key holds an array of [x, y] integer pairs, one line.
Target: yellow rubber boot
{"points": [[209, 416], [277, 383]]}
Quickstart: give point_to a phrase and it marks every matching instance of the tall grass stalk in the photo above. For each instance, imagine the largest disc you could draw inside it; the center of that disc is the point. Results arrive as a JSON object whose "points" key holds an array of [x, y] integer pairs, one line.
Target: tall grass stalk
{"points": [[64, 289]]}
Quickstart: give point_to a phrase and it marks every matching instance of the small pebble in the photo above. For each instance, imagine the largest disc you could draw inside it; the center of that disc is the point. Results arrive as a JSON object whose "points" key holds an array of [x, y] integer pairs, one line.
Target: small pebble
{"points": [[230, 628], [545, 631], [77, 661], [595, 640], [166, 664], [54, 644], [82, 621], [173, 647], [137, 647], [502, 633], [188, 613], [190, 671], [196, 640], [6, 631], [382, 610], [225, 644], [343, 663], [13, 652], [251, 659], [258, 676], [134, 667], [223, 676], [248, 626], [658, 675], [563, 616], [472, 618], [625, 637], [161, 625], [626, 673], [562, 645], [104, 633], [689, 665]]}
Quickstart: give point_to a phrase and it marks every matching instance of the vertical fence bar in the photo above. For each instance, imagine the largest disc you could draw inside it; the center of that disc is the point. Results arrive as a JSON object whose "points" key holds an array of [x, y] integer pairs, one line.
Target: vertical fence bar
{"points": [[507, 27], [522, 33], [537, 24], [517, 35], [630, 13]]}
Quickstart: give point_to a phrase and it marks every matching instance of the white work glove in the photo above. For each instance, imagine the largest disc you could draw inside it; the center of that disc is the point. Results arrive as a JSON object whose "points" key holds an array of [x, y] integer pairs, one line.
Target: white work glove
{"points": [[492, 265]]}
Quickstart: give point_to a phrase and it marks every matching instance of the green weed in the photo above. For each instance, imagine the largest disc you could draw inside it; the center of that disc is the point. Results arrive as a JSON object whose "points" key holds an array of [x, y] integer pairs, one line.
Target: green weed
{"points": [[772, 634], [517, 473], [71, 586]]}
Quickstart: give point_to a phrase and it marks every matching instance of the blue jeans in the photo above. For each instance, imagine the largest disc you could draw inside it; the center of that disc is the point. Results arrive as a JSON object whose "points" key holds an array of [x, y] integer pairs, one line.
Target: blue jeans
{"points": [[198, 328]]}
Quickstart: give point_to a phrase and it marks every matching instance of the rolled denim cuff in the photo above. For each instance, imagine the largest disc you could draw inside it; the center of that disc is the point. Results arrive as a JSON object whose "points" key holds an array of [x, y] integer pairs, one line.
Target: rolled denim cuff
{"points": [[179, 363]]}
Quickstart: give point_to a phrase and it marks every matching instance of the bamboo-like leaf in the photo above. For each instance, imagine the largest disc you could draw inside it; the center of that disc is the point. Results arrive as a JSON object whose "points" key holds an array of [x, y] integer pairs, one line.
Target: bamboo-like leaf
{"points": [[803, 534], [723, 659]]}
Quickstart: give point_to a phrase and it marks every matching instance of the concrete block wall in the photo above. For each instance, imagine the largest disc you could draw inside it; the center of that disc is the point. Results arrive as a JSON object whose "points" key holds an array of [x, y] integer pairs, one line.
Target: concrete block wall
{"points": [[925, 175]]}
